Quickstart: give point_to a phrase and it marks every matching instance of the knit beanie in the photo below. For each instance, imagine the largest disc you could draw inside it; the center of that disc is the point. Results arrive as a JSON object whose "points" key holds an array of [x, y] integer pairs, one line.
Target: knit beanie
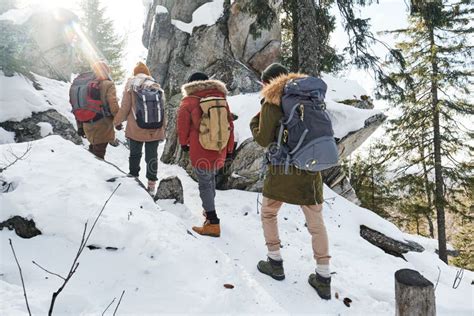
{"points": [[101, 70], [273, 71], [198, 76], [141, 68]]}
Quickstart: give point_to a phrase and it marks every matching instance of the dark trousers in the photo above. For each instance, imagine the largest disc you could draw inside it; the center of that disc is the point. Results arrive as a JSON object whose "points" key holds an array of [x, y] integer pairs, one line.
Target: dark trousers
{"points": [[151, 158], [98, 149], [207, 188]]}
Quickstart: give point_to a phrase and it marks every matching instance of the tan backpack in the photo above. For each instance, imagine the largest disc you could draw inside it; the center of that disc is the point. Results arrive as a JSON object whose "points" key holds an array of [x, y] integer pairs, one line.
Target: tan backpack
{"points": [[214, 130]]}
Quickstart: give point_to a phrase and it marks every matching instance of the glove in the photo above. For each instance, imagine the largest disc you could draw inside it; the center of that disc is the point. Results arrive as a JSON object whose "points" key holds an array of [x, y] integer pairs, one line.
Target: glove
{"points": [[230, 156], [185, 148], [80, 132], [119, 127]]}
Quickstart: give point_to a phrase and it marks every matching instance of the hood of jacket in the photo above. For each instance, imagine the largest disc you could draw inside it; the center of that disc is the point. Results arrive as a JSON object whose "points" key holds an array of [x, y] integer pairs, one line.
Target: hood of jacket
{"points": [[196, 86], [273, 91], [142, 81]]}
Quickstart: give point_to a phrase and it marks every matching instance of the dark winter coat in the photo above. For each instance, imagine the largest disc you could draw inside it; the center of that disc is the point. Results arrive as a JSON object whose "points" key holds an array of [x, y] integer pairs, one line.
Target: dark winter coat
{"points": [[189, 119], [297, 187]]}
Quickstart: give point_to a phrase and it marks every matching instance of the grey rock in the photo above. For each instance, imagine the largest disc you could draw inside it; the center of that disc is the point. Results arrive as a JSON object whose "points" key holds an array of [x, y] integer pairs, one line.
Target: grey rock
{"points": [[52, 53], [170, 189], [25, 228], [27, 130], [182, 10], [249, 39], [349, 143], [174, 55]]}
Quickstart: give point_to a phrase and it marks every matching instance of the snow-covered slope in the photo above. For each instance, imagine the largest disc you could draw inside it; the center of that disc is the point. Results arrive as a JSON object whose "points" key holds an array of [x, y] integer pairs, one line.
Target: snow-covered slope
{"points": [[163, 269], [19, 99]]}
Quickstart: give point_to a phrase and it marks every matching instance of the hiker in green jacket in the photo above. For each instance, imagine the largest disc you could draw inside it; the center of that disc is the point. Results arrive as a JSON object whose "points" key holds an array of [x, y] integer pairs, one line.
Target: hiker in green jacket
{"points": [[294, 187]]}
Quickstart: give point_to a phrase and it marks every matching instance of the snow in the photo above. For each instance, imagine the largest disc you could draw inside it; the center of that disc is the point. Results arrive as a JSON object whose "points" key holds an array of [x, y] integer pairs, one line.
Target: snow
{"points": [[45, 129], [345, 118], [207, 14], [161, 266], [19, 99], [6, 137], [160, 9], [17, 16]]}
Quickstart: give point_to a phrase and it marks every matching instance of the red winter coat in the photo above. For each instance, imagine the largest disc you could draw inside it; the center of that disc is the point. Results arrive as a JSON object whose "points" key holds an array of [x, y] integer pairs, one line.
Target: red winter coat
{"points": [[189, 119]]}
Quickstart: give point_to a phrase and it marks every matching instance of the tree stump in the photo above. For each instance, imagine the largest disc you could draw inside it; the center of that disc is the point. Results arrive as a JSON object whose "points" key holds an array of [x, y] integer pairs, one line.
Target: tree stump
{"points": [[414, 295]]}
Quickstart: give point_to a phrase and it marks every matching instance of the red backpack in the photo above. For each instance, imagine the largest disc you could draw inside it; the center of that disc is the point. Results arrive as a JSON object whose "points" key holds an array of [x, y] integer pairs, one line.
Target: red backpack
{"points": [[84, 96]]}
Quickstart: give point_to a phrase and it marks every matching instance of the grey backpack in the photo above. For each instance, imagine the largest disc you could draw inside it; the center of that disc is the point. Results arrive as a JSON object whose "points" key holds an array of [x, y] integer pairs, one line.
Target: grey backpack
{"points": [[305, 138]]}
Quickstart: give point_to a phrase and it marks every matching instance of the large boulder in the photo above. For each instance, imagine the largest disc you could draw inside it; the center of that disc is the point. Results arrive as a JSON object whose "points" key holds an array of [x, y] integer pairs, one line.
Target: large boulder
{"points": [[40, 125], [174, 54], [250, 42]]}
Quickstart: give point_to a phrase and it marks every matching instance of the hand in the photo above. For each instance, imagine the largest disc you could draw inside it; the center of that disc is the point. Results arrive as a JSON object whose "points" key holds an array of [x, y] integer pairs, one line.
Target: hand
{"points": [[230, 156], [185, 148], [119, 127], [80, 132]]}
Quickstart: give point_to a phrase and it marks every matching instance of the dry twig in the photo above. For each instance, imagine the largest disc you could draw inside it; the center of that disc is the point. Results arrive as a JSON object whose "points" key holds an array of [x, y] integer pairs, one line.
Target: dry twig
{"points": [[82, 245], [21, 277]]}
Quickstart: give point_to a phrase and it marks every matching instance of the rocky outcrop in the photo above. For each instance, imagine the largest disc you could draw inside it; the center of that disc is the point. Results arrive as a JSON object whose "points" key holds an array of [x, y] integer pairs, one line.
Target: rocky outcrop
{"points": [[52, 52], [30, 129], [235, 49]]}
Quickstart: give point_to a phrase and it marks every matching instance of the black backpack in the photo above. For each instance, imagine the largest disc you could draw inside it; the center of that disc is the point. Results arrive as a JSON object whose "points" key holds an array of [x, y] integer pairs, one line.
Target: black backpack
{"points": [[149, 109]]}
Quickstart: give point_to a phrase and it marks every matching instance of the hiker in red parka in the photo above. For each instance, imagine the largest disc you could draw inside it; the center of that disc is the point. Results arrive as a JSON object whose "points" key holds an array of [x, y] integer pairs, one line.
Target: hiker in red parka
{"points": [[205, 162]]}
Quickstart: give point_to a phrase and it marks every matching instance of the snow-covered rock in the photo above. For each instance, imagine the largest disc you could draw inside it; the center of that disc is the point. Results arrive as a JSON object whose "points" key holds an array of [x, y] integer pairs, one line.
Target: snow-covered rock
{"points": [[160, 264], [32, 110]]}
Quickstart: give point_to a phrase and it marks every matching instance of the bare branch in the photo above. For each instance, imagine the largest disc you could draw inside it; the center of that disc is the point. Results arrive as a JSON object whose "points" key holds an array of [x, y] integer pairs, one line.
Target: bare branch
{"points": [[82, 245], [52, 273], [103, 313], [118, 304], [21, 277], [17, 158]]}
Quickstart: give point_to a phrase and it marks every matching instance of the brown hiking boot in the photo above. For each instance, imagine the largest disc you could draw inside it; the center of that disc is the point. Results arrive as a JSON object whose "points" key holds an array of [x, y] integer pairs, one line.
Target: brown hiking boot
{"points": [[208, 229]]}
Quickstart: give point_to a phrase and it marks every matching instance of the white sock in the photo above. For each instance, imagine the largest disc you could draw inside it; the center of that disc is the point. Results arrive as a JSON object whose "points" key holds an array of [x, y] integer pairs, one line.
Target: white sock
{"points": [[323, 270], [275, 255]]}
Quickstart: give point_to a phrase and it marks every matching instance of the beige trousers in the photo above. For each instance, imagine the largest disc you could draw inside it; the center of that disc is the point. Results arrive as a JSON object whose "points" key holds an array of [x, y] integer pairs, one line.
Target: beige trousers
{"points": [[314, 221]]}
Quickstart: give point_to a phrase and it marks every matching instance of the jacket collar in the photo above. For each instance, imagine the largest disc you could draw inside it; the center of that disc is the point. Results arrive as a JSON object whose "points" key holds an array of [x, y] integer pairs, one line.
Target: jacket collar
{"points": [[197, 86], [273, 92]]}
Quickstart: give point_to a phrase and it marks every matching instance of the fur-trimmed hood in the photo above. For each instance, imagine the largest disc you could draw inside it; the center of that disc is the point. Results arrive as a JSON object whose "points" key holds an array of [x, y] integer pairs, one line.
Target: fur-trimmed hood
{"points": [[273, 92], [196, 86]]}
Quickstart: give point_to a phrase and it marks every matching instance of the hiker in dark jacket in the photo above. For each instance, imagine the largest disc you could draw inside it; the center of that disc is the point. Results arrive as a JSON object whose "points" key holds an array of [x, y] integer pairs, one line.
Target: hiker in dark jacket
{"points": [[205, 162], [99, 133], [294, 187], [137, 136]]}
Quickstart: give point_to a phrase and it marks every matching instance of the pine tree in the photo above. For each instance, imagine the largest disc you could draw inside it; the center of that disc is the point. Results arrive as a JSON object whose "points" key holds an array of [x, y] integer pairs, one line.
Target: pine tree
{"points": [[306, 29], [429, 135], [370, 182], [101, 33]]}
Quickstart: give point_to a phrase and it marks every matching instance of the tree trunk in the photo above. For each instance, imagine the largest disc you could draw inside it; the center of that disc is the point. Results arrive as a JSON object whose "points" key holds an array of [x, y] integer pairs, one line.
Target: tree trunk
{"points": [[294, 41], [439, 185], [427, 191], [310, 38], [414, 295]]}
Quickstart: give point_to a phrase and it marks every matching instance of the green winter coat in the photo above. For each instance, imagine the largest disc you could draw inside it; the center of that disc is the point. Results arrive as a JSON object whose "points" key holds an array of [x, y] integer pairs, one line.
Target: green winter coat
{"points": [[297, 187]]}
